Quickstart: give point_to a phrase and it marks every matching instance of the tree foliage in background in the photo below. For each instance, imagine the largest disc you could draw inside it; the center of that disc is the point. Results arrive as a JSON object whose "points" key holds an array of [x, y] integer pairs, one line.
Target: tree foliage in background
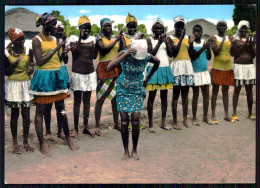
{"points": [[245, 12]]}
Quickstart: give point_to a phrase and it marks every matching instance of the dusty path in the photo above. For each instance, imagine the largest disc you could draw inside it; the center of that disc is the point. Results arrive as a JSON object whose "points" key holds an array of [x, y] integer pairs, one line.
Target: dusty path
{"points": [[205, 154]]}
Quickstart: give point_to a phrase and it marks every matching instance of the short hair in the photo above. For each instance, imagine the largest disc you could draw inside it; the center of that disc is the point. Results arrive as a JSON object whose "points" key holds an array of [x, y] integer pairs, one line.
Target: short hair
{"points": [[197, 25]]}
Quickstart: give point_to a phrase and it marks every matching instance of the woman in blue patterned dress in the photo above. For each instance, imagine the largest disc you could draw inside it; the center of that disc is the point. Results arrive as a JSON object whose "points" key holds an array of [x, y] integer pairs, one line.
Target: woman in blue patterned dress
{"points": [[130, 93]]}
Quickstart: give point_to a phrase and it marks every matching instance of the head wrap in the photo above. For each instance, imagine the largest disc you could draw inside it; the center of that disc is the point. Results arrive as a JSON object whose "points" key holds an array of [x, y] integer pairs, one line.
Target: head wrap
{"points": [[83, 20], [221, 21], [43, 19], [141, 48], [178, 19], [104, 21], [14, 33], [130, 18], [157, 21], [242, 23], [59, 24]]}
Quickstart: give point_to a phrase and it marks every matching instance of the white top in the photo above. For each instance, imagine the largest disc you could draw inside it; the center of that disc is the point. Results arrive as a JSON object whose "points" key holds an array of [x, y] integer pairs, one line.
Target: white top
{"points": [[74, 38], [161, 53]]}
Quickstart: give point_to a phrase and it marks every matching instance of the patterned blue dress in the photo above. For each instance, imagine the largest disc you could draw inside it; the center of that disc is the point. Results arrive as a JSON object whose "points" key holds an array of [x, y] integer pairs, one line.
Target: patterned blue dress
{"points": [[130, 93]]}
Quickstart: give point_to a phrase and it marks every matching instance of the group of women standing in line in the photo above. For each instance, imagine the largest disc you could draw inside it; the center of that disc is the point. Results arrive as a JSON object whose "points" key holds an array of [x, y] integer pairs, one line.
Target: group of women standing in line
{"points": [[178, 61]]}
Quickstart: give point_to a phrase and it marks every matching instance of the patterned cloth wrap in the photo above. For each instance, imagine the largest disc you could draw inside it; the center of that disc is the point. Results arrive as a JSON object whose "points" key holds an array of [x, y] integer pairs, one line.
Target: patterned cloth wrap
{"points": [[130, 93]]}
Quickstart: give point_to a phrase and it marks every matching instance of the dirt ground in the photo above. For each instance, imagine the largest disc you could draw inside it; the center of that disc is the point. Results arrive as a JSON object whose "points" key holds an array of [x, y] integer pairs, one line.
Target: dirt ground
{"points": [[206, 154]]}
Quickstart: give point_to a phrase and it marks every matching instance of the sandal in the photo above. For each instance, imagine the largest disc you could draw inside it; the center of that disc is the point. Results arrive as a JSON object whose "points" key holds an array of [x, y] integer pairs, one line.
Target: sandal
{"points": [[151, 130], [214, 122], [252, 117], [234, 119]]}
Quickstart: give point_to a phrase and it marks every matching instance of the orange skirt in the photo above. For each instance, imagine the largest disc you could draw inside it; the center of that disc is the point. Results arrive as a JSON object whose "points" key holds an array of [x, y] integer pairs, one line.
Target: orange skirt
{"points": [[103, 73], [222, 78], [49, 99]]}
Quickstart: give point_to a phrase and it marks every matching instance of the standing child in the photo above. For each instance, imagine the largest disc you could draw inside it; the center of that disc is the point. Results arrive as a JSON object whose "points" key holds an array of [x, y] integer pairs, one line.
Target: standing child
{"points": [[162, 79], [221, 72], [243, 50], [83, 75], [199, 51], [19, 60], [108, 48], [182, 71], [130, 93]]}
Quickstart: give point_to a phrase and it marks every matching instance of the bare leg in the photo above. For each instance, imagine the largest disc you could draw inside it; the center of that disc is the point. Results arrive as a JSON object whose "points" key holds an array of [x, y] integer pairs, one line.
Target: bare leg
{"points": [[115, 114], [60, 133], [40, 111], [195, 98], [135, 121], [185, 103], [76, 111], [163, 96], [249, 95], [237, 90], [150, 102], [86, 109], [64, 120], [26, 128], [98, 110], [125, 134], [13, 123], [225, 102], [47, 119], [205, 94], [175, 97], [215, 89]]}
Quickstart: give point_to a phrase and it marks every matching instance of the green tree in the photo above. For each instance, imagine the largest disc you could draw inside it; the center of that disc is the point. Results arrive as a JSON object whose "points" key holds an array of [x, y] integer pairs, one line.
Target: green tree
{"points": [[142, 28], [245, 12], [94, 29]]}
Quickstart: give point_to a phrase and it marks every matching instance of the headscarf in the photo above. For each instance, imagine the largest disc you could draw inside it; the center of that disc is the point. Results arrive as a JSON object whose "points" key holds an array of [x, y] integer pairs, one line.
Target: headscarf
{"points": [[157, 21], [82, 20], [14, 33], [242, 23], [43, 19], [59, 24], [221, 21], [130, 18], [178, 19], [104, 21]]}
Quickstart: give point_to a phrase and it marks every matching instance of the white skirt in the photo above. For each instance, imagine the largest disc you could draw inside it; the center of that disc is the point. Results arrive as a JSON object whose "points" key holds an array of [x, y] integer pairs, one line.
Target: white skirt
{"points": [[18, 91], [202, 78], [244, 72], [81, 82], [181, 67]]}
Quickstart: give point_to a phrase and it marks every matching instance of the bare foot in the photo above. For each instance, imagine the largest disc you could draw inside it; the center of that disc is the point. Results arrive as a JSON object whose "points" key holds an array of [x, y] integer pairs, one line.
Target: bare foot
{"points": [[116, 127], [186, 124], [195, 122], [97, 131], [126, 156], [28, 148], [135, 156], [87, 131], [44, 151], [74, 134], [61, 135], [16, 149], [49, 137], [176, 126], [71, 144], [206, 120], [226, 118]]}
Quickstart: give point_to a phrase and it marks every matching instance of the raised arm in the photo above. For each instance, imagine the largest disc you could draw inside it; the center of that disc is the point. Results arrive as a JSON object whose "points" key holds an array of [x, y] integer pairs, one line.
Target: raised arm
{"points": [[30, 68], [176, 48], [162, 39], [37, 52], [119, 57], [216, 49], [104, 49], [156, 63]]}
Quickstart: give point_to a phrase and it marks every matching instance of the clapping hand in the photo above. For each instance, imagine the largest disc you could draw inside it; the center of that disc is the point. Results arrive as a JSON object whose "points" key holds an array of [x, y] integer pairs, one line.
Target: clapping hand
{"points": [[191, 38]]}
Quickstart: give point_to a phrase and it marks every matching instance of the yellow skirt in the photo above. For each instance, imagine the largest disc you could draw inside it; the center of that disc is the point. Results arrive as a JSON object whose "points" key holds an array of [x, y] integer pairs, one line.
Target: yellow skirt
{"points": [[152, 87]]}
